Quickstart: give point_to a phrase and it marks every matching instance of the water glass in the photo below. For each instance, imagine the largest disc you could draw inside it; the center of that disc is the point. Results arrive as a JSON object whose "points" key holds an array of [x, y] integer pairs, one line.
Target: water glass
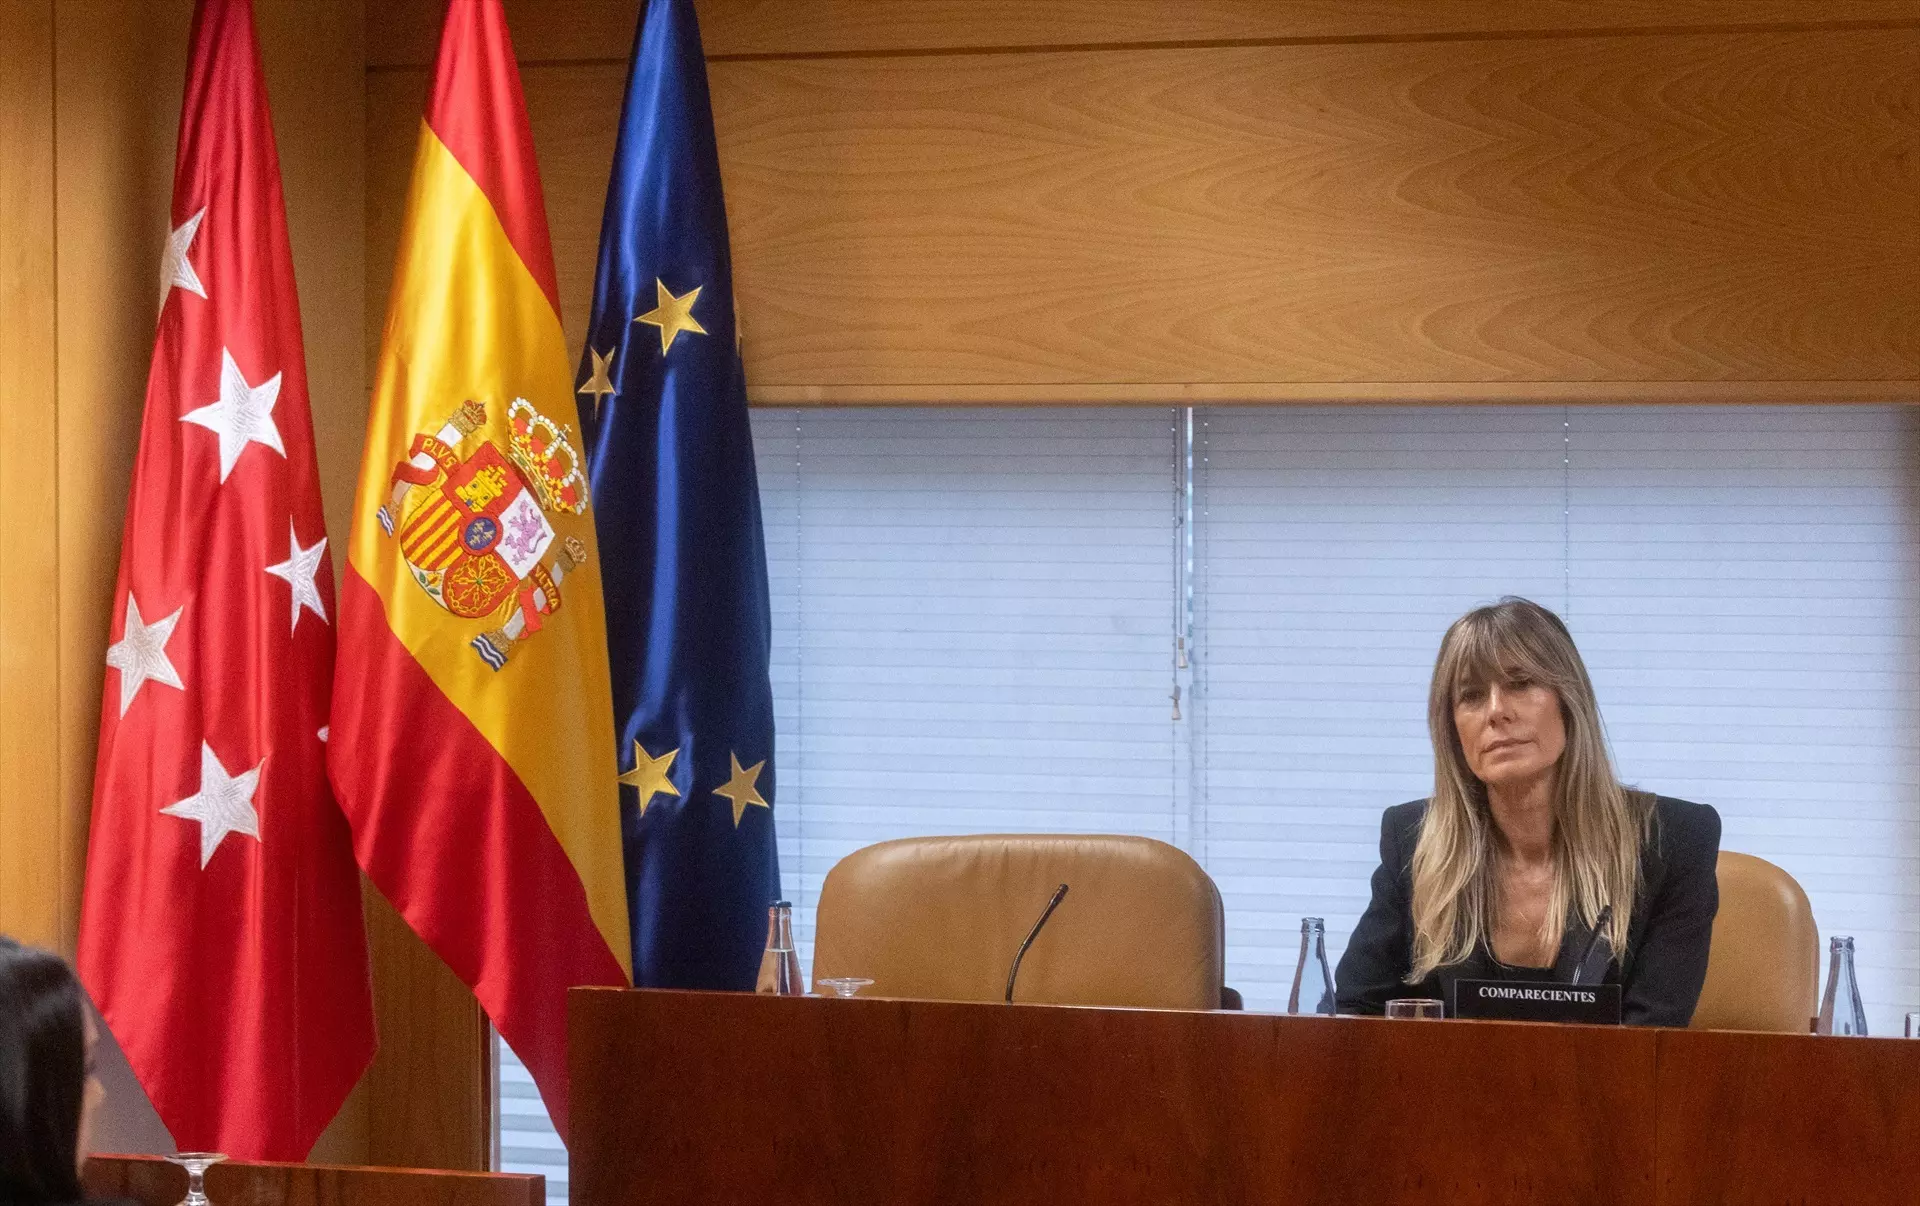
{"points": [[196, 1164], [842, 986], [1417, 1007], [1913, 1025]]}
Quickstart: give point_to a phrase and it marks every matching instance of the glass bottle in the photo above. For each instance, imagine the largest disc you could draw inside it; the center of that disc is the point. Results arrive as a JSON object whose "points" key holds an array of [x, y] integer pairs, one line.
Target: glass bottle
{"points": [[1840, 1009], [780, 965], [1312, 982]]}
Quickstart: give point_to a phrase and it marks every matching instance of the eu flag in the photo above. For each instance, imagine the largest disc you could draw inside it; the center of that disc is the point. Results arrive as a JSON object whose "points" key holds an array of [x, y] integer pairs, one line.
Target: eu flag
{"points": [[663, 402]]}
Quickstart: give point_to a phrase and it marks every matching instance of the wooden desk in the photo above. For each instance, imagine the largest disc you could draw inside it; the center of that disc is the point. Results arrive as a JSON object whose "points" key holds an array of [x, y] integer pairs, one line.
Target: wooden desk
{"points": [[152, 1181], [714, 1098]]}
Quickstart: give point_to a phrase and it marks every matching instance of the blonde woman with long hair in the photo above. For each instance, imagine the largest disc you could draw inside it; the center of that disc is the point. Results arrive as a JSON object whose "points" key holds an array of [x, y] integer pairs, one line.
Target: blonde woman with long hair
{"points": [[1529, 839]]}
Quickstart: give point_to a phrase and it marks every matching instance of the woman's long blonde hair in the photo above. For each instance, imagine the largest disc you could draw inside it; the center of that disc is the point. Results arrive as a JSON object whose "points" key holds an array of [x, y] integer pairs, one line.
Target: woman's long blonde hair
{"points": [[1598, 824]]}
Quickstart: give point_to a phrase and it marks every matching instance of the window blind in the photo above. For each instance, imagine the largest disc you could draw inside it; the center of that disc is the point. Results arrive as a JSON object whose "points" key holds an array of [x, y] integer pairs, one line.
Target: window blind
{"points": [[974, 626], [1744, 591], [524, 1140], [1741, 581], [1332, 548]]}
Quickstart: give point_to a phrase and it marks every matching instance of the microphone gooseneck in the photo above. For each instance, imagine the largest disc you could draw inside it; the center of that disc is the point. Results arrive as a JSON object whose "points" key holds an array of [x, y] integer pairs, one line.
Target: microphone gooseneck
{"points": [[1599, 935], [1013, 973]]}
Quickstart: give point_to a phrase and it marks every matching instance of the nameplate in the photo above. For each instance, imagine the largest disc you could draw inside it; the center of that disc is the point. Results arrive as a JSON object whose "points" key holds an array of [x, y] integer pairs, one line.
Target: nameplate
{"points": [[1541, 1001]]}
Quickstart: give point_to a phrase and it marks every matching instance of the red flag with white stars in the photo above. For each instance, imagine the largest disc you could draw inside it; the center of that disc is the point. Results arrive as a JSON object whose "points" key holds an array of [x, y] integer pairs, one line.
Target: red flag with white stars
{"points": [[221, 933]]}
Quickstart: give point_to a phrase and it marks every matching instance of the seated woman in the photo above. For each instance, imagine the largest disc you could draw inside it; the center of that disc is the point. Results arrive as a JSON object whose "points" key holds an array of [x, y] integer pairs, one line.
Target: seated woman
{"points": [[1504, 873], [47, 1090]]}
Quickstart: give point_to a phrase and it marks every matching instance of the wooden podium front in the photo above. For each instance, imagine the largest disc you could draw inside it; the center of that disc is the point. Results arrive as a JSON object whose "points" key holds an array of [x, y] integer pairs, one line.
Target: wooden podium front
{"points": [[714, 1098]]}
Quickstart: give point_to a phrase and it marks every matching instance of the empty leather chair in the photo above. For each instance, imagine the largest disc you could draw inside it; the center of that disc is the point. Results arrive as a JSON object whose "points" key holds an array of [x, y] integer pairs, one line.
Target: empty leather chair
{"points": [[1763, 970], [941, 918]]}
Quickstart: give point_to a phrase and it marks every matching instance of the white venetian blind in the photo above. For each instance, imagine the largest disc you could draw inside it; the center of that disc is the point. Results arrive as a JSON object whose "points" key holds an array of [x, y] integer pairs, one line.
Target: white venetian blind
{"points": [[1742, 582], [973, 622], [524, 1140], [1746, 590], [1332, 548]]}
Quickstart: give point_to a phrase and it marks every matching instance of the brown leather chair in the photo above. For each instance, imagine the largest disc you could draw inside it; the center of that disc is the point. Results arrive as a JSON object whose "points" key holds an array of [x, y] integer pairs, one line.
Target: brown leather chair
{"points": [[940, 918], [1763, 971]]}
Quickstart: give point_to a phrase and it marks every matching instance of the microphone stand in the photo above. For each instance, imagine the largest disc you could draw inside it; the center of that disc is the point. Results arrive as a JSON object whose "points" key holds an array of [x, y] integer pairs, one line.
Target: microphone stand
{"points": [[1013, 973]]}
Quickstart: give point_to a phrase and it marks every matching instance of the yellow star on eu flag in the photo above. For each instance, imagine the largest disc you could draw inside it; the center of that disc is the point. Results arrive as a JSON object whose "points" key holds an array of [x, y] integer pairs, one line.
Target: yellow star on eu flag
{"points": [[601, 383], [672, 314], [741, 788], [649, 775]]}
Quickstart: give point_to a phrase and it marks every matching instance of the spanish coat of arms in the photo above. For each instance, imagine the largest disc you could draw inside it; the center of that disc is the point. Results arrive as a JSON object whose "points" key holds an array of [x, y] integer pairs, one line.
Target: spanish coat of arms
{"points": [[473, 525]]}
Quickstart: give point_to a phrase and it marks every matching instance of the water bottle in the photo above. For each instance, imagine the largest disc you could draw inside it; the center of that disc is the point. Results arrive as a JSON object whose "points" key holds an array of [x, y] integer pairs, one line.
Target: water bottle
{"points": [[780, 965], [1312, 982], [1840, 1009]]}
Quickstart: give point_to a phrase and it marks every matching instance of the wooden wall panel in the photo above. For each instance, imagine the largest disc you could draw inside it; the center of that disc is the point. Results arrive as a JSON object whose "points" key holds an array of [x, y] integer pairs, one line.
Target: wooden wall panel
{"points": [[1667, 217], [36, 871], [395, 102], [1685, 208], [427, 1092], [118, 65], [314, 57], [547, 31]]}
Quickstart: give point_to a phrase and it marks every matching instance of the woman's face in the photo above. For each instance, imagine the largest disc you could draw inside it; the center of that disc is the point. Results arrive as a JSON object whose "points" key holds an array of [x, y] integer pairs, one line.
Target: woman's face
{"points": [[90, 1100], [1511, 731]]}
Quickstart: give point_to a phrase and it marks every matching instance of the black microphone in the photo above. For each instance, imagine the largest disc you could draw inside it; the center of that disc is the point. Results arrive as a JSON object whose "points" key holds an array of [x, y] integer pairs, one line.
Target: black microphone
{"points": [[1584, 971], [1013, 973]]}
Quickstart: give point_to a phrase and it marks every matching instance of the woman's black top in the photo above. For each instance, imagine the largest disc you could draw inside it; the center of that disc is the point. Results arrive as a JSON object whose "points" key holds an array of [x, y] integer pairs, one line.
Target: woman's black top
{"points": [[1667, 939]]}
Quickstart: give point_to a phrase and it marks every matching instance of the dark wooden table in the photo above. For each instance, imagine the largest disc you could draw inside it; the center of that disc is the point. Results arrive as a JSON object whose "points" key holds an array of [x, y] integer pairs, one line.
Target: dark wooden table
{"points": [[152, 1181], [715, 1098]]}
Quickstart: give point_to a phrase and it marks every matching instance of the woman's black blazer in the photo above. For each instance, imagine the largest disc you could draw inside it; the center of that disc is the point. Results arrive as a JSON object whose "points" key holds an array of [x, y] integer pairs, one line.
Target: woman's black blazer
{"points": [[1666, 957]]}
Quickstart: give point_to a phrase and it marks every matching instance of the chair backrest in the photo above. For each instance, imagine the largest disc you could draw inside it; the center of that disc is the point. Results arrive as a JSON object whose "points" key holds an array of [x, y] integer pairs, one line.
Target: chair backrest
{"points": [[1763, 971], [940, 918]]}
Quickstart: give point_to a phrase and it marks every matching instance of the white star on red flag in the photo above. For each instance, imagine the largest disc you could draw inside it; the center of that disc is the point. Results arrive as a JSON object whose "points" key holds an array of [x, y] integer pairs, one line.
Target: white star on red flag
{"points": [[176, 270], [242, 416], [140, 655], [222, 805], [301, 571]]}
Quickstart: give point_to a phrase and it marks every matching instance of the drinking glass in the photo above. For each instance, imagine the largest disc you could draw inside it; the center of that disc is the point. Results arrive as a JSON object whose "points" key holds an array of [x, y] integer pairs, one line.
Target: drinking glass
{"points": [[843, 986], [1416, 1007], [1913, 1025], [196, 1164]]}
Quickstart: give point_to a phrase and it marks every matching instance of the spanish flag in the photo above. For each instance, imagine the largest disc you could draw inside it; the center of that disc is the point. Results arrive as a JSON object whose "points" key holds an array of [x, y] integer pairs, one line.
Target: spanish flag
{"points": [[472, 726]]}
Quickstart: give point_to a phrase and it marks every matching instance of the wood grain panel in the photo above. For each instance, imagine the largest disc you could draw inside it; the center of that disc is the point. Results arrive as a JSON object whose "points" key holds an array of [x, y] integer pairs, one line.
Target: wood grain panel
{"points": [[395, 103], [1323, 393], [314, 57], [405, 32], [1778, 1120], [685, 1097], [1676, 218], [35, 869], [1684, 208], [427, 1089], [151, 1181], [118, 69]]}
